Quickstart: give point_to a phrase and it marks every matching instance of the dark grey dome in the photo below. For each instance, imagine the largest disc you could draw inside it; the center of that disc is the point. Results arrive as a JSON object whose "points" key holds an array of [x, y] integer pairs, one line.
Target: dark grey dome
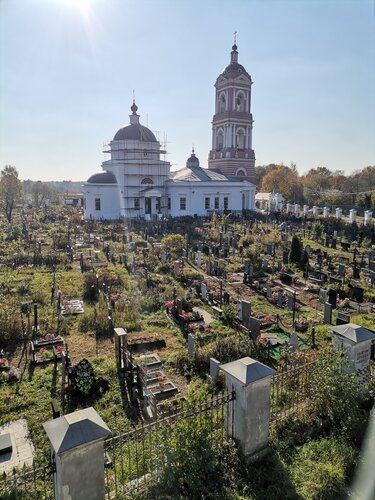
{"points": [[135, 132], [233, 69], [102, 178], [192, 161]]}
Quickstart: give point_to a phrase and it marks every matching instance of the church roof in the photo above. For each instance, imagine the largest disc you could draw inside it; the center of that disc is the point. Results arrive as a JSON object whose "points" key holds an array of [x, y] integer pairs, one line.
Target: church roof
{"points": [[194, 173], [234, 68], [102, 178], [135, 132]]}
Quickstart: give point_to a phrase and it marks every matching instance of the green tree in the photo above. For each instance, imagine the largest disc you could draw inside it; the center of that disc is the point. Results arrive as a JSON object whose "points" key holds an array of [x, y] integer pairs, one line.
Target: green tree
{"points": [[10, 190], [40, 193], [295, 251]]}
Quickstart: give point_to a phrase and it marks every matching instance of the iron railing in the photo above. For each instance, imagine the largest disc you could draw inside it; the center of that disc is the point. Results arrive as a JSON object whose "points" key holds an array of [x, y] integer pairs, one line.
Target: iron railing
{"points": [[33, 482], [289, 390], [137, 458]]}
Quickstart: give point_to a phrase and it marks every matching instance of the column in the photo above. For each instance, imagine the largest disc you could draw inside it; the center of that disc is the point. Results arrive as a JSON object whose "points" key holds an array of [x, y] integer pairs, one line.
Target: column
{"points": [[251, 381]]}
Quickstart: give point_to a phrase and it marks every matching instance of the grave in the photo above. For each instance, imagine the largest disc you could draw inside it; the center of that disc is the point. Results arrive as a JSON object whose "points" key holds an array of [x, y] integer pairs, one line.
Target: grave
{"points": [[18, 449], [327, 313]]}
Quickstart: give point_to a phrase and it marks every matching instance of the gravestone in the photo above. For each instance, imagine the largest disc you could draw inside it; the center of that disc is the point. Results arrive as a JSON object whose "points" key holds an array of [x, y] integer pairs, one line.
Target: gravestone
{"points": [[254, 327], [226, 298], [239, 310], [356, 293], [322, 295], [269, 292], [341, 270], [204, 291], [191, 343], [332, 297], [280, 298], [327, 313], [342, 318], [246, 312], [293, 340], [214, 368], [372, 277]]}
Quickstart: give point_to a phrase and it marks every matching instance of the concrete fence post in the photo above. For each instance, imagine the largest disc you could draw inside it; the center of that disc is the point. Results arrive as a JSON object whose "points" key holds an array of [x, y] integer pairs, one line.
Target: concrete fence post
{"points": [[249, 422], [77, 443]]}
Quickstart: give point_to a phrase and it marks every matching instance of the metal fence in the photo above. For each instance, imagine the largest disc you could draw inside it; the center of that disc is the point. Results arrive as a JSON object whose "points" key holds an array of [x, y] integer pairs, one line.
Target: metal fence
{"points": [[138, 458], [289, 390], [34, 482]]}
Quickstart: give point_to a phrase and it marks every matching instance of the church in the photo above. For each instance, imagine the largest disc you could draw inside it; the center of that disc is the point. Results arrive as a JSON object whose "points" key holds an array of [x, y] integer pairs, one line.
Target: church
{"points": [[137, 182]]}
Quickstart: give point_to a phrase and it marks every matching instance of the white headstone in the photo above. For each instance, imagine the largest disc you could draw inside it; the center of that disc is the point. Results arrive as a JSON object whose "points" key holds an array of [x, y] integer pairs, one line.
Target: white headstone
{"points": [[352, 215]]}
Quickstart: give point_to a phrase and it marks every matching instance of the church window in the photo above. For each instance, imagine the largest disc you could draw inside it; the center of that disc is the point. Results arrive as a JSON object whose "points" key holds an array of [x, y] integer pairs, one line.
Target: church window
{"points": [[216, 203], [240, 139], [137, 203], [183, 203], [220, 140], [207, 203], [147, 180], [169, 202], [97, 204], [225, 202], [240, 102], [222, 103], [241, 173]]}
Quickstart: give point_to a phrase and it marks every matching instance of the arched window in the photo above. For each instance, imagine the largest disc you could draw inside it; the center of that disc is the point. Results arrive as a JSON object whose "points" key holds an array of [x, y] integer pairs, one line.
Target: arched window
{"points": [[240, 102], [147, 180], [220, 140], [240, 139], [222, 103], [241, 173]]}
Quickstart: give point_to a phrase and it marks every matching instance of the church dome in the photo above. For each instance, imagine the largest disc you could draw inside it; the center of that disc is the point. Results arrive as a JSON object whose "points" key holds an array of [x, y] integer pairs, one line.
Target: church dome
{"points": [[102, 178], [135, 132], [234, 68], [192, 161]]}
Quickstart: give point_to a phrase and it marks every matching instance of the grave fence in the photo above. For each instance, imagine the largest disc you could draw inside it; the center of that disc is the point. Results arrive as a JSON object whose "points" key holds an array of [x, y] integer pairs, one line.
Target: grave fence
{"points": [[138, 458], [29, 482], [290, 390]]}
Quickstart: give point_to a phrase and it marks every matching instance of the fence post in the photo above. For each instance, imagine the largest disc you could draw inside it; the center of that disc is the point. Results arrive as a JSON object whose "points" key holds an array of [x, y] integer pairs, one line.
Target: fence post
{"points": [[249, 422], [77, 444]]}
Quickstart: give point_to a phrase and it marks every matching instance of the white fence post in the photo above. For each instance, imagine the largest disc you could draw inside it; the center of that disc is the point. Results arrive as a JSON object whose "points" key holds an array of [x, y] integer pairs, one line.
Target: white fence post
{"points": [[77, 442], [251, 380]]}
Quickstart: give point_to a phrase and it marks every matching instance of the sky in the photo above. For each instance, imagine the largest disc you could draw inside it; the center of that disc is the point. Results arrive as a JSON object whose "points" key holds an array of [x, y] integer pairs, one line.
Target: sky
{"points": [[68, 69]]}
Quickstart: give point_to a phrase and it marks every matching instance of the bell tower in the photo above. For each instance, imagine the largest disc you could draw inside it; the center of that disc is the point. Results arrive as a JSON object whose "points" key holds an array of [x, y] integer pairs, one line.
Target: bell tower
{"points": [[232, 151]]}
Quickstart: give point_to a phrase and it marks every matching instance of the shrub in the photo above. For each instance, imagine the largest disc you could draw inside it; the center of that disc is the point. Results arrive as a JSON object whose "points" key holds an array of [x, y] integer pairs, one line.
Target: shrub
{"points": [[321, 468]]}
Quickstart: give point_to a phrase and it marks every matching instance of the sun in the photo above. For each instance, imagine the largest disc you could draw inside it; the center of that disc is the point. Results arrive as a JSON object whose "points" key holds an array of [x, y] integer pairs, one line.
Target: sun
{"points": [[82, 5]]}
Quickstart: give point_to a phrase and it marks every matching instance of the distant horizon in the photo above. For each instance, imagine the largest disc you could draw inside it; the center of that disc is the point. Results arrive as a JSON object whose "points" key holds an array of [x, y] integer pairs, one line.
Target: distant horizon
{"points": [[69, 69]]}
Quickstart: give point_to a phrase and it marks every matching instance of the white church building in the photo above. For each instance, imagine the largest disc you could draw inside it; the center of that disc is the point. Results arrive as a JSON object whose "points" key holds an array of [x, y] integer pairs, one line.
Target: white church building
{"points": [[136, 181]]}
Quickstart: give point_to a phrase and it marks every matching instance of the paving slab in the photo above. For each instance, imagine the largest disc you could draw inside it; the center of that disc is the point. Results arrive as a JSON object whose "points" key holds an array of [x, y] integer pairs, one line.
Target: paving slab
{"points": [[22, 446]]}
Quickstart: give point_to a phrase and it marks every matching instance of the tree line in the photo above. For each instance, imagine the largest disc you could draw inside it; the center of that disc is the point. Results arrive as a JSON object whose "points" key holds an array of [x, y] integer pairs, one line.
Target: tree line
{"points": [[13, 191], [320, 186]]}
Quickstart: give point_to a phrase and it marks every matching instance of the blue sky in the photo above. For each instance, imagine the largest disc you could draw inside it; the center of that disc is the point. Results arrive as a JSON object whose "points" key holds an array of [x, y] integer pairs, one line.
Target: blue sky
{"points": [[68, 69]]}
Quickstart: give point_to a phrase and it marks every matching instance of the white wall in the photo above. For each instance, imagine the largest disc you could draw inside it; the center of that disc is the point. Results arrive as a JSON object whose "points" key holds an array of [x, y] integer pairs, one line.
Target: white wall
{"points": [[109, 196], [196, 192]]}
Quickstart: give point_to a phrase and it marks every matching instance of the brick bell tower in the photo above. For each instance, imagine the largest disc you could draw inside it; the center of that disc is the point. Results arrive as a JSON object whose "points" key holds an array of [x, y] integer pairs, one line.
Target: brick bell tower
{"points": [[232, 152]]}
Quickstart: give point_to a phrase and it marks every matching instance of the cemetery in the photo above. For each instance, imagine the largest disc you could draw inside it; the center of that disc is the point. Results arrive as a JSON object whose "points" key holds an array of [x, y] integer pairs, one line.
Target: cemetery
{"points": [[131, 320]]}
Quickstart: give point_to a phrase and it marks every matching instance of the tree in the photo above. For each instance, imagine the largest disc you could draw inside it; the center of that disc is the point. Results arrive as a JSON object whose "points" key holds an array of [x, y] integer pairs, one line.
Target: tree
{"points": [[295, 250], [10, 190], [285, 180], [40, 193]]}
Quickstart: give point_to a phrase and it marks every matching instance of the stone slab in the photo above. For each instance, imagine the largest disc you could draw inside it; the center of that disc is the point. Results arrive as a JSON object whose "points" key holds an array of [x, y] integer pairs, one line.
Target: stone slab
{"points": [[22, 448]]}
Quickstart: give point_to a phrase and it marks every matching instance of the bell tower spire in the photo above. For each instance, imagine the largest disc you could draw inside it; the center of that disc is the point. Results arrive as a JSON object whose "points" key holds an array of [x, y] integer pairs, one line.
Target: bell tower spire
{"points": [[232, 125]]}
